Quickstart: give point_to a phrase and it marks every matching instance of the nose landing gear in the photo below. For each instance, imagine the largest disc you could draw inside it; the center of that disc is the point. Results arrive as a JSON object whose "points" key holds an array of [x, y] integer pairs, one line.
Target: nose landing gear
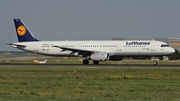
{"points": [[155, 63]]}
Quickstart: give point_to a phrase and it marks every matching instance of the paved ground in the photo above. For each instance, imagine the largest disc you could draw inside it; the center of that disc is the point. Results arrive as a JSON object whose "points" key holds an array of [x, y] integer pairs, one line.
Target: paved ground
{"points": [[97, 66], [83, 66]]}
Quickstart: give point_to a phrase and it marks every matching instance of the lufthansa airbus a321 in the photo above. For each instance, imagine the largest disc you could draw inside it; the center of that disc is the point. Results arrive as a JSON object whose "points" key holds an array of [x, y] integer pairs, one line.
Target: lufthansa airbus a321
{"points": [[96, 51]]}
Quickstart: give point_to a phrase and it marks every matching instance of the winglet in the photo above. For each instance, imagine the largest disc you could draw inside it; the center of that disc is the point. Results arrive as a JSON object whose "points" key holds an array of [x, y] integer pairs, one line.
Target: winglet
{"points": [[23, 33]]}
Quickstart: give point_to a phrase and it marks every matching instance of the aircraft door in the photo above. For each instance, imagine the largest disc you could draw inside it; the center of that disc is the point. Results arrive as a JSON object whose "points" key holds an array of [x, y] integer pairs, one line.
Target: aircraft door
{"points": [[78, 45], [119, 47], [36, 47], [153, 46]]}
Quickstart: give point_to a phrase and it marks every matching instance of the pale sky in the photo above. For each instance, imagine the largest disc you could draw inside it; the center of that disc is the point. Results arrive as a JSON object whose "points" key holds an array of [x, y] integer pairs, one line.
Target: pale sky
{"points": [[90, 19]]}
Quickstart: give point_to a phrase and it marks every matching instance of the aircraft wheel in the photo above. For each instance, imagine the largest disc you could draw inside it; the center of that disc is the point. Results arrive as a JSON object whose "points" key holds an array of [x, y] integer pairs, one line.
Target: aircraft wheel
{"points": [[154, 63], [85, 62], [96, 62]]}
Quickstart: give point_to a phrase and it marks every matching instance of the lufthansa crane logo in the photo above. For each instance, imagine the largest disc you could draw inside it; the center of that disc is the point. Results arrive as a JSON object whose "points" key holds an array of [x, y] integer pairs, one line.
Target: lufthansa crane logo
{"points": [[21, 30]]}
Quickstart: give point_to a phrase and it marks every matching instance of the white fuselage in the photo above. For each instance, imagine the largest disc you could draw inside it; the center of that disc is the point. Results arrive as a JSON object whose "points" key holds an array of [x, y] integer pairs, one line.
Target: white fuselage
{"points": [[114, 48], [91, 50]]}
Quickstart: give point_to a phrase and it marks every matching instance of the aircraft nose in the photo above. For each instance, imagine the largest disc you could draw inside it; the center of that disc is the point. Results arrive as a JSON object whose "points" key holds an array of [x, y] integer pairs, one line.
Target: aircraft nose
{"points": [[171, 50]]}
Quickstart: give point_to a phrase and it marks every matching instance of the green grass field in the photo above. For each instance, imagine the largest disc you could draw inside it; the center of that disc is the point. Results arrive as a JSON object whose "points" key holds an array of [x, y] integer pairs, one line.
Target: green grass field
{"points": [[88, 84]]}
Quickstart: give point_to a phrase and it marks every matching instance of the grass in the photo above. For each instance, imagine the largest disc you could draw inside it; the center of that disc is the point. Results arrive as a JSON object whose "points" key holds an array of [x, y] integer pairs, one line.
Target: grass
{"points": [[88, 84]]}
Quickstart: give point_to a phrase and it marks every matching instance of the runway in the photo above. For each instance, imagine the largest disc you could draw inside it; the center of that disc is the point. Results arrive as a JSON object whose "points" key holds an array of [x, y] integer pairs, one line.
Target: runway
{"points": [[121, 65], [95, 66]]}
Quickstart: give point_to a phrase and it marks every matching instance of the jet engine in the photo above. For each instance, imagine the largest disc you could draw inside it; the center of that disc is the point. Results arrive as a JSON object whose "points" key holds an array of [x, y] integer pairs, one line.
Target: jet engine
{"points": [[100, 56]]}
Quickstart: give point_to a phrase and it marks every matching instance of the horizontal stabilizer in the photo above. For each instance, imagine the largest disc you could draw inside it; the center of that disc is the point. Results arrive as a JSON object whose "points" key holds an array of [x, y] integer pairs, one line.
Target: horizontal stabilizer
{"points": [[17, 45]]}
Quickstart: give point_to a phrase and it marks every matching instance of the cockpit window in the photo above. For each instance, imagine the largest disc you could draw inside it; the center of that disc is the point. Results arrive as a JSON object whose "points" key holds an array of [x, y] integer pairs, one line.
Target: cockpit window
{"points": [[164, 45]]}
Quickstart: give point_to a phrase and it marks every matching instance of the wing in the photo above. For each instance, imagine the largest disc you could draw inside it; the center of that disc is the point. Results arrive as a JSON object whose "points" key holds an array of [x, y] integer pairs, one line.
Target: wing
{"points": [[83, 52]]}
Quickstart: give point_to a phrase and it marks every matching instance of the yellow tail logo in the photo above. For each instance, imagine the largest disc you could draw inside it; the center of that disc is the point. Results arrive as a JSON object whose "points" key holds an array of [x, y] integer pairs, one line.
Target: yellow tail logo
{"points": [[21, 30]]}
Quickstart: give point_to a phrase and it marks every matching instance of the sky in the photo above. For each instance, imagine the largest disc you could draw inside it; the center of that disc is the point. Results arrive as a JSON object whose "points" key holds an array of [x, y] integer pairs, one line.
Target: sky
{"points": [[90, 19]]}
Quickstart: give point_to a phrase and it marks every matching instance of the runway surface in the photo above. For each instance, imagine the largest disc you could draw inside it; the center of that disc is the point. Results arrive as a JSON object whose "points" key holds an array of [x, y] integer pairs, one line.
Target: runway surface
{"points": [[96, 66], [84, 66]]}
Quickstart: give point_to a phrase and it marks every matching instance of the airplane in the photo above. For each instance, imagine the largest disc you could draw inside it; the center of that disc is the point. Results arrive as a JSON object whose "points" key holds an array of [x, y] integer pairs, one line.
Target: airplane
{"points": [[97, 51]]}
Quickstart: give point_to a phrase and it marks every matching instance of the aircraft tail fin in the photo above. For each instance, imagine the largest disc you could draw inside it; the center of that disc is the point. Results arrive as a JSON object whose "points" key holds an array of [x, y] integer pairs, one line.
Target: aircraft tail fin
{"points": [[23, 33]]}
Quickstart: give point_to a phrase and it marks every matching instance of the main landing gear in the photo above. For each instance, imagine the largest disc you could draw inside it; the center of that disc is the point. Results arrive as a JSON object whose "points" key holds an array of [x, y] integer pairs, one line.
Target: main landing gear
{"points": [[96, 62], [86, 62]]}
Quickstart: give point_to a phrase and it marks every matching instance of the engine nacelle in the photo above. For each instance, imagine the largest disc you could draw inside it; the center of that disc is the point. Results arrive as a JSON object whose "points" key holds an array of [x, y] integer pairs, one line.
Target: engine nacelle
{"points": [[115, 58], [100, 56]]}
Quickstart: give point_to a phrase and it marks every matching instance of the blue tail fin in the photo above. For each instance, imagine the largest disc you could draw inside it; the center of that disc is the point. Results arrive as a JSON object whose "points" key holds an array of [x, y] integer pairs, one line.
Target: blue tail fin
{"points": [[23, 33]]}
